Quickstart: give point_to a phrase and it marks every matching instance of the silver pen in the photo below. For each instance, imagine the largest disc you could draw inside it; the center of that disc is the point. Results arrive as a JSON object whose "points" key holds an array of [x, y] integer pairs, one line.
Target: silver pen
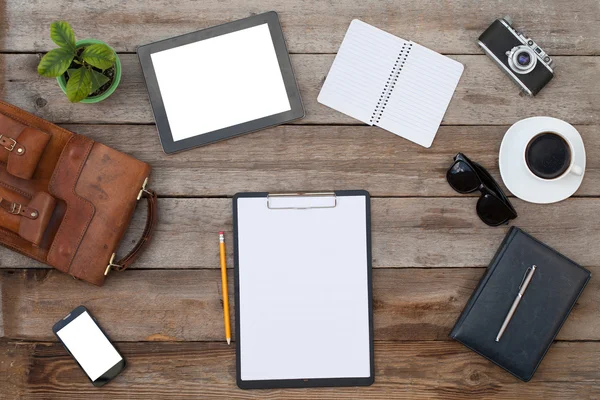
{"points": [[515, 304]]}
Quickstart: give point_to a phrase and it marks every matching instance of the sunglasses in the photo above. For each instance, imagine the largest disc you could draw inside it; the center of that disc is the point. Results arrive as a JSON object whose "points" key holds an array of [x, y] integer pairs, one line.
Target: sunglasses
{"points": [[466, 176]]}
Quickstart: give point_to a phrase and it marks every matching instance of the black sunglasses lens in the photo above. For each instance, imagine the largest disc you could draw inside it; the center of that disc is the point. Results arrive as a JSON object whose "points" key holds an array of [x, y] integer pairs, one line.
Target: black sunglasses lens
{"points": [[492, 210], [462, 178]]}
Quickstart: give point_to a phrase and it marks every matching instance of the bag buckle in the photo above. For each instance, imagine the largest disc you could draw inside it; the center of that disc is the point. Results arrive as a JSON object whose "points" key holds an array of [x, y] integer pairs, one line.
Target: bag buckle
{"points": [[15, 208], [12, 146], [111, 264]]}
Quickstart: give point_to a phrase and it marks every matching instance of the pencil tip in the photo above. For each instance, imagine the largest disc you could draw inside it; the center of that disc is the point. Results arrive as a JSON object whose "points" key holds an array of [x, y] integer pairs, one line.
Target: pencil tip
{"points": [[228, 341]]}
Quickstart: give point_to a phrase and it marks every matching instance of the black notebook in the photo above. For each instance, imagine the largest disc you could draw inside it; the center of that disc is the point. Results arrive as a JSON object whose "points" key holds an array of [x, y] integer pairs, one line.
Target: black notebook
{"points": [[545, 305]]}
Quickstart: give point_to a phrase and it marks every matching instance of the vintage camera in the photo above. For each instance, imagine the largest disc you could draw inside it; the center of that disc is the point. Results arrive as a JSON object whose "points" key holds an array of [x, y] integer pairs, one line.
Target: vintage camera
{"points": [[520, 57]]}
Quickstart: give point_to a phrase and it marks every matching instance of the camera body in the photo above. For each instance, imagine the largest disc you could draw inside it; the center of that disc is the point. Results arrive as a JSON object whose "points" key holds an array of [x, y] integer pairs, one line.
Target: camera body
{"points": [[518, 56]]}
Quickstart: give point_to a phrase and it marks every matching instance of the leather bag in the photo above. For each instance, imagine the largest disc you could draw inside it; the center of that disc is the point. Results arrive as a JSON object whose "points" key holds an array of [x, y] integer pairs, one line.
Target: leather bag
{"points": [[66, 200]]}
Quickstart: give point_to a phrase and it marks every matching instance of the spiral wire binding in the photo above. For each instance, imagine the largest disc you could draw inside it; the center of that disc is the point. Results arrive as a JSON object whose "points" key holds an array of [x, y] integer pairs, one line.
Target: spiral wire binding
{"points": [[390, 84]]}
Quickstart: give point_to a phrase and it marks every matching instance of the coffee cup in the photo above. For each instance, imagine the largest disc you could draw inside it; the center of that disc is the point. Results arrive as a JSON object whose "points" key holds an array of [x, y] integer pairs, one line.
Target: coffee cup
{"points": [[550, 156]]}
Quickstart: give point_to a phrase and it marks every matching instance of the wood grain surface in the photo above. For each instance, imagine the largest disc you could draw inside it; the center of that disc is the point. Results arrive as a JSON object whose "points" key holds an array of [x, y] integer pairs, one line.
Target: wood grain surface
{"points": [[407, 233], [408, 304], [561, 27], [429, 247], [404, 370], [289, 158], [483, 97]]}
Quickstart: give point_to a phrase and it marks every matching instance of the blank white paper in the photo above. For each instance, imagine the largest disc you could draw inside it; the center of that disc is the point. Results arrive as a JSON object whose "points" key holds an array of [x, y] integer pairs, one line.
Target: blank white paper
{"points": [[220, 82], [303, 286], [89, 346]]}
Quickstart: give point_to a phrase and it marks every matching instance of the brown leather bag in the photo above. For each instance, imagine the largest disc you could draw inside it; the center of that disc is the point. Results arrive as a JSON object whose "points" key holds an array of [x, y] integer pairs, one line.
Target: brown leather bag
{"points": [[66, 200]]}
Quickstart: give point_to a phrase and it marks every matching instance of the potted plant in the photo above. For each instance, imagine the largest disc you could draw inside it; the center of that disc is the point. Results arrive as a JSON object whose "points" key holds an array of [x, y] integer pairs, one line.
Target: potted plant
{"points": [[88, 70]]}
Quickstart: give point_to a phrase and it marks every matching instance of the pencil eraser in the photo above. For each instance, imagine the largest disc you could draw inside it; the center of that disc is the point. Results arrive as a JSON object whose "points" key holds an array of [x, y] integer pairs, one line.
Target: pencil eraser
{"points": [[221, 233]]}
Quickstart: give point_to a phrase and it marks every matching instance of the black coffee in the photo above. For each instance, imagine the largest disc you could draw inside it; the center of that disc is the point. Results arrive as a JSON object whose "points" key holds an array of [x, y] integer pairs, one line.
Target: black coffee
{"points": [[548, 155]]}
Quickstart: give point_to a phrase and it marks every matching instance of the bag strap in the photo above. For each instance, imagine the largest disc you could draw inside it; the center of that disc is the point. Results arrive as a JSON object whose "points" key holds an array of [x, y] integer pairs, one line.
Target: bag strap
{"points": [[18, 209], [11, 144], [133, 255]]}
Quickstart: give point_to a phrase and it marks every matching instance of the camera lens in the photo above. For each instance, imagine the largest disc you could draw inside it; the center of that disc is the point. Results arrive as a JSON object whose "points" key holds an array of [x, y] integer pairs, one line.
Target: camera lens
{"points": [[523, 58]]}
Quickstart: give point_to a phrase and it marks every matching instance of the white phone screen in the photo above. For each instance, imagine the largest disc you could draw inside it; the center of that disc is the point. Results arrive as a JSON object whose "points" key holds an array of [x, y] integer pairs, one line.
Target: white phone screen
{"points": [[89, 346]]}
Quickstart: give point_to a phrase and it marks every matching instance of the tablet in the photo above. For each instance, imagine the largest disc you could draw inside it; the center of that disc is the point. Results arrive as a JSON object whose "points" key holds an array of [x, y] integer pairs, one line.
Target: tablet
{"points": [[220, 82]]}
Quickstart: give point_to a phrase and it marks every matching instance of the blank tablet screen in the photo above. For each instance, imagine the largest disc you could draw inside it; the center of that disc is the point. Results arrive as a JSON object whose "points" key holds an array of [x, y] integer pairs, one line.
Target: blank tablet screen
{"points": [[220, 82]]}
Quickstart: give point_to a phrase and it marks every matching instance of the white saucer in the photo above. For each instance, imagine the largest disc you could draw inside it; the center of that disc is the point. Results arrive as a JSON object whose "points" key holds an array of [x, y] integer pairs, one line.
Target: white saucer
{"points": [[514, 171]]}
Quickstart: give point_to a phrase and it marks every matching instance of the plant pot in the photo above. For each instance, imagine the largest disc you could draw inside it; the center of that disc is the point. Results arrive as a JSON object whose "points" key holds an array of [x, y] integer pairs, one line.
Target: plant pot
{"points": [[62, 82]]}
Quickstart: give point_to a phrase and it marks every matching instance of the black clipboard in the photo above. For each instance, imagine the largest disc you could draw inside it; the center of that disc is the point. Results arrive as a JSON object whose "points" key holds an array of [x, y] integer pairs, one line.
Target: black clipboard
{"points": [[316, 382], [158, 108]]}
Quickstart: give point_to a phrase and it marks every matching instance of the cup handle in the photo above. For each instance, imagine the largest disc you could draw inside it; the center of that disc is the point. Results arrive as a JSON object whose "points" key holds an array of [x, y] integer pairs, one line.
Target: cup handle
{"points": [[577, 170]]}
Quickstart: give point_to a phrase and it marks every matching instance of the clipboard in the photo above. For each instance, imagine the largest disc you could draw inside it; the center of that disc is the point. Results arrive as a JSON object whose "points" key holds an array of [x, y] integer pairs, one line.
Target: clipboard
{"points": [[303, 289]]}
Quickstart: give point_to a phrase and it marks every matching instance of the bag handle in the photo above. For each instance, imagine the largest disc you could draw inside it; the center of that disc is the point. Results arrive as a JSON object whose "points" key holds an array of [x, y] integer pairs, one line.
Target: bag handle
{"points": [[133, 255]]}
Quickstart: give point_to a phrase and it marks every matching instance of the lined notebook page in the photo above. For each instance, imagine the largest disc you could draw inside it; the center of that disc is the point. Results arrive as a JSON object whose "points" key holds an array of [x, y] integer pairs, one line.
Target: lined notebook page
{"points": [[360, 71], [421, 95]]}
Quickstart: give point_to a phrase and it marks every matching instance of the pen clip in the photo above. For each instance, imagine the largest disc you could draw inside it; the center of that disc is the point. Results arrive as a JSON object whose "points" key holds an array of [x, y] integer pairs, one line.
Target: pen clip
{"points": [[524, 277]]}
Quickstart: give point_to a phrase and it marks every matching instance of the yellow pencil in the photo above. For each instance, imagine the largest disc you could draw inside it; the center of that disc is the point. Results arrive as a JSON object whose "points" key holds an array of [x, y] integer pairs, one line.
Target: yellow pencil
{"points": [[224, 287]]}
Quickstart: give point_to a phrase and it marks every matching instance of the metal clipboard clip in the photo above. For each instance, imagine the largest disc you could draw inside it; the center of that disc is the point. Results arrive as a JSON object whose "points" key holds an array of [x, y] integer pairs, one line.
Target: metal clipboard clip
{"points": [[297, 200]]}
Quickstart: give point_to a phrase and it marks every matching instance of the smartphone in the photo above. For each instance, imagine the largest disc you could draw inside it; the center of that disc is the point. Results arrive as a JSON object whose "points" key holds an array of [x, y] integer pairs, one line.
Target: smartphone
{"points": [[89, 346]]}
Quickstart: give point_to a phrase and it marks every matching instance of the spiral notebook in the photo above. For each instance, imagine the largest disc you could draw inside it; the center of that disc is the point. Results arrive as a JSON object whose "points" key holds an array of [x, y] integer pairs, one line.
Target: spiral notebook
{"points": [[398, 85]]}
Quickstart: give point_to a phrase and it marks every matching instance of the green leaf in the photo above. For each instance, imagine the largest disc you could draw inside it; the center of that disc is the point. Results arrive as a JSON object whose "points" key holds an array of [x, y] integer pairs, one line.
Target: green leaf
{"points": [[99, 55], [62, 34], [79, 85], [55, 62], [98, 80]]}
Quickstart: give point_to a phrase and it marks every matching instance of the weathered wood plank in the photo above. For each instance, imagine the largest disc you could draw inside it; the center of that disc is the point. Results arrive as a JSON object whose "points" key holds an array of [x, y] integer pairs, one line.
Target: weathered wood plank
{"points": [[14, 362], [407, 232], [287, 158], [485, 96], [309, 26], [415, 370], [408, 304]]}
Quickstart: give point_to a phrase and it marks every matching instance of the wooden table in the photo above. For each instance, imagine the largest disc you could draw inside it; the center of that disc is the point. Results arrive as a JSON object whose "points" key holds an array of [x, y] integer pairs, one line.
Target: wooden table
{"points": [[429, 247]]}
